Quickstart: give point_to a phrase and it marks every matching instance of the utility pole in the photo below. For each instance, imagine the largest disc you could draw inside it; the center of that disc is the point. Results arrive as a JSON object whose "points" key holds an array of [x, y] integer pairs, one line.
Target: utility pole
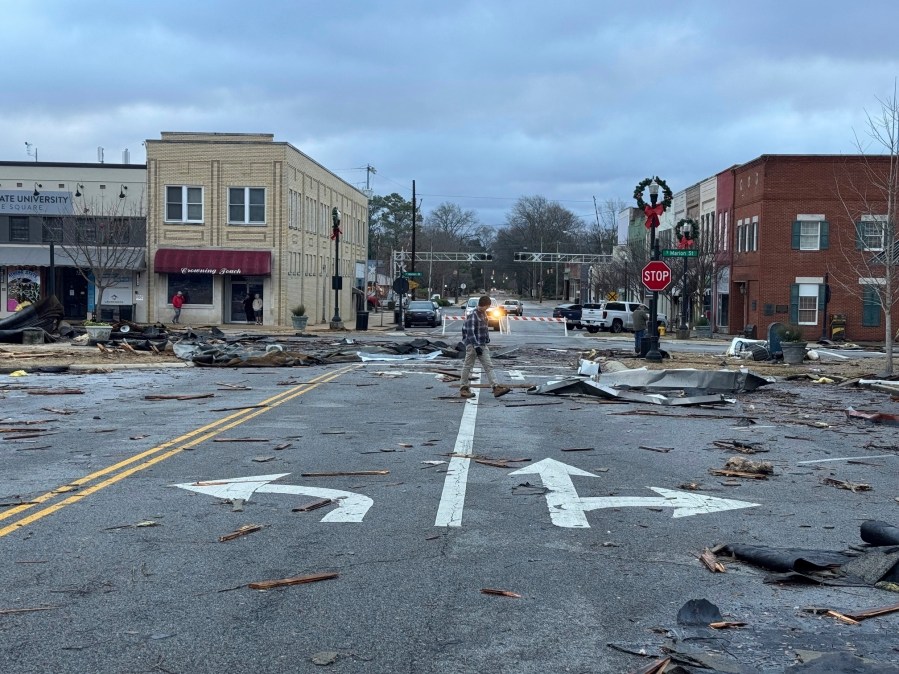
{"points": [[413, 234]]}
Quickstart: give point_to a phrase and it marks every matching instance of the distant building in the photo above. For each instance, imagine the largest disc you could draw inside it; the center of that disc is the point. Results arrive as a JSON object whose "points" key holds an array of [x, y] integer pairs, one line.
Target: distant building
{"points": [[40, 204], [236, 214]]}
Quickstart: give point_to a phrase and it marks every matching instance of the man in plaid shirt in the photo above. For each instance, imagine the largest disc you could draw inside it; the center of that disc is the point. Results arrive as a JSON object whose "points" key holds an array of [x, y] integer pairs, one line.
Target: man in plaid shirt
{"points": [[475, 337]]}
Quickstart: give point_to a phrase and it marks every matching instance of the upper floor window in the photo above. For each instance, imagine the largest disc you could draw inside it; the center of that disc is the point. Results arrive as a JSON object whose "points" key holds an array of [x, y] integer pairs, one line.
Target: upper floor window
{"points": [[871, 232], [811, 233], [19, 230], [246, 205], [183, 203]]}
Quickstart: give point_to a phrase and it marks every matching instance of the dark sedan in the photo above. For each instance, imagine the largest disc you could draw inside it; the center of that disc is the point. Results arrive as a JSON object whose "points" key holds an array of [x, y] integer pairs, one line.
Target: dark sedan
{"points": [[423, 312], [571, 313]]}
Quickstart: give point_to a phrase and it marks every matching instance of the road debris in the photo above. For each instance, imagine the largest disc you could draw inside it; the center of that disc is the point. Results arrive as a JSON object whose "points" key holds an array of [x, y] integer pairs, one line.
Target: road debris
{"points": [[314, 505], [711, 562], [662, 450], [737, 466], [874, 417], [294, 580], [500, 593], [843, 484], [240, 531], [346, 473], [178, 396], [741, 446], [11, 611]]}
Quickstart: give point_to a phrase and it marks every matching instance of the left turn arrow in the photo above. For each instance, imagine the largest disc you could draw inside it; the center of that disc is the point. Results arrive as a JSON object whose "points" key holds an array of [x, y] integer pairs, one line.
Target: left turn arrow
{"points": [[351, 507]]}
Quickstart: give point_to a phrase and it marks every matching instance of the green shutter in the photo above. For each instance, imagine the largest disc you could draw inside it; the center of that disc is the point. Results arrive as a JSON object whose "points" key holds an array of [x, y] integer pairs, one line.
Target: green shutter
{"points": [[859, 240], [870, 308], [825, 235], [797, 229], [822, 294], [794, 303]]}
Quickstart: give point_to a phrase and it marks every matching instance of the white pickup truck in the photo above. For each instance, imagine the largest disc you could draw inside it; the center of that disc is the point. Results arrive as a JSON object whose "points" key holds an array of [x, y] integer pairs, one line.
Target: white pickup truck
{"points": [[613, 316]]}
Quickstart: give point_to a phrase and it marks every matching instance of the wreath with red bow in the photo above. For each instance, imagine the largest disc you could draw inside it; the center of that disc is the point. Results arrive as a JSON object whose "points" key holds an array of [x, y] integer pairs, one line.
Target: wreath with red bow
{"points": [[653, 212]]}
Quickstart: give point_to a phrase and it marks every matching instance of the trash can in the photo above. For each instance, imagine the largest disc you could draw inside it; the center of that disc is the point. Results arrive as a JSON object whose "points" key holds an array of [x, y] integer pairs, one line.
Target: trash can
{"points": [[362, 320], [838, 327]]}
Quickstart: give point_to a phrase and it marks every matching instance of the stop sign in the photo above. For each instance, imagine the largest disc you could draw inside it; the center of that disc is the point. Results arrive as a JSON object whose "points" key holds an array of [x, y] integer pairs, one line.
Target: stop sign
{"points": [[656, 275]]}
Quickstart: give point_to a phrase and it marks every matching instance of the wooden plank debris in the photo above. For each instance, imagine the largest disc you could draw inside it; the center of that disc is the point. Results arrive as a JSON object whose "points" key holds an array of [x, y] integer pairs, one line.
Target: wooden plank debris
{"points": [[577, 449], [872, 612], [711, 562], [10, 611], [346, 472], [662, 450], [842, 618], [726, 624], [655, 667], [295, 580], [178, 396], [314, 505], [54, 391], [240, 531], [854, 487], [240, 440], [500, 593]]}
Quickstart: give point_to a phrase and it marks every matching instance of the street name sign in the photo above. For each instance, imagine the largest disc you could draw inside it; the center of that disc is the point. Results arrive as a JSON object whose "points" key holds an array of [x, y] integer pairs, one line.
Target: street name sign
{"points": [[680, 252], [411, 274]]}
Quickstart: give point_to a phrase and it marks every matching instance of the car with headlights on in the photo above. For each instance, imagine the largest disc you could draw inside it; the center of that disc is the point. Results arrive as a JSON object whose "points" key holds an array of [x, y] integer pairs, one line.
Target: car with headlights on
{"points": [[423, 312]]}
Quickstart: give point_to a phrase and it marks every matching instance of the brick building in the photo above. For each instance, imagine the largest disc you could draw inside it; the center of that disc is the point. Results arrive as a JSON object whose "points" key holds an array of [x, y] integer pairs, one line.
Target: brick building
{"points": [[235, 214], [798, 223]]}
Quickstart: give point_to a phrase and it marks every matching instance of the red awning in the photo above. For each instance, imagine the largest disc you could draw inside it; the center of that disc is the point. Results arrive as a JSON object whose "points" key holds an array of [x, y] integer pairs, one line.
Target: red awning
{"points": [[234, 262]]}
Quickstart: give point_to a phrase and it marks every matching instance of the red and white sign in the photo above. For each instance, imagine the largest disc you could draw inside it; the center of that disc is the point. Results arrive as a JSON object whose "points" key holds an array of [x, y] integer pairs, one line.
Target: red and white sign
{"points": [[656, 275]]}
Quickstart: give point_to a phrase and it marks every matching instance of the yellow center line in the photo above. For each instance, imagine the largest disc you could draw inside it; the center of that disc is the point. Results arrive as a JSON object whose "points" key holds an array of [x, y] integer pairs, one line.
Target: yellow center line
{"points": [[179, 444]]}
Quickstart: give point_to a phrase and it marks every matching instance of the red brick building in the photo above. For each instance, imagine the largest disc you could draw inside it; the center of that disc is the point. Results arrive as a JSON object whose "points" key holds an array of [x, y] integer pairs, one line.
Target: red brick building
{"points": [[797, 224]]}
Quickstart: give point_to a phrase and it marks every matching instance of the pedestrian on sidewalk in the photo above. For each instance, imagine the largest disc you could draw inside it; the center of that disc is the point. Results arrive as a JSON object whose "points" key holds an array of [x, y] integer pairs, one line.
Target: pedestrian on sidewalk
{"points": [[248, 308], [640, 318], [257, 309], [475, 337], [177, 303]]}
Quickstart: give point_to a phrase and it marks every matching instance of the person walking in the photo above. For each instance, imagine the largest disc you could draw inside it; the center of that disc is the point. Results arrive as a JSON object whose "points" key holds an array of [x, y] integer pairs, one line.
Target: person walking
{"points": [[475, 337], [257, 309], [248, 308], [177, 303], [641, 316]]}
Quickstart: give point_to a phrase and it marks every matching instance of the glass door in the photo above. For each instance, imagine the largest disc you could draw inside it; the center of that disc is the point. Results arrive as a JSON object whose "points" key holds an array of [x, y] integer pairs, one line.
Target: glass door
{"points": [[240, 288]]}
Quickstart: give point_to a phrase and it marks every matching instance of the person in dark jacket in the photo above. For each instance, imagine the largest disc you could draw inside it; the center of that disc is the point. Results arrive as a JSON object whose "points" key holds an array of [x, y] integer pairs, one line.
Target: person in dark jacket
{"points": [[641, 316], [248, 308]]}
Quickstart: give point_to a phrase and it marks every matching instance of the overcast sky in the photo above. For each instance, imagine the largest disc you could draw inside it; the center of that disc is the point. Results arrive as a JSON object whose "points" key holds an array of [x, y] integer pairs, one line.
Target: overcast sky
{"points": [[479, 102]]}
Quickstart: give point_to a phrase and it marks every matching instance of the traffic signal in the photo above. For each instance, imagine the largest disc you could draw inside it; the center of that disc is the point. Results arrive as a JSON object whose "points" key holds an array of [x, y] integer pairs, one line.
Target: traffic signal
{"points": [[520, 257], [482, 257]]}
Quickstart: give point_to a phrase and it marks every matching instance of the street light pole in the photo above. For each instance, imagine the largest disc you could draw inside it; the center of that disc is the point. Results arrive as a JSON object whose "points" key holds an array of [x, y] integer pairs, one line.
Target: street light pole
{"points": [[652, 212], [336, 280]]}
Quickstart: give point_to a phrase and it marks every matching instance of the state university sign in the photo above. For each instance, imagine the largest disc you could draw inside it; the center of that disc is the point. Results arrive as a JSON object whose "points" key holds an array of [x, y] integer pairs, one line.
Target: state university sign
{"points": [[25, 202]]}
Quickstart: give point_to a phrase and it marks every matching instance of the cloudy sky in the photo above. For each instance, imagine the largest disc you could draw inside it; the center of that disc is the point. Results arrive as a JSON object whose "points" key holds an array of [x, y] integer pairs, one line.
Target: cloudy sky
{"points": [[479, 102]]}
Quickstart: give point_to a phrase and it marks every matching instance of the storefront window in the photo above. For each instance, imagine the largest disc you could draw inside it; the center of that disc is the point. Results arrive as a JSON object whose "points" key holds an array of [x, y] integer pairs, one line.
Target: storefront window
{"points": [[197, 288]]}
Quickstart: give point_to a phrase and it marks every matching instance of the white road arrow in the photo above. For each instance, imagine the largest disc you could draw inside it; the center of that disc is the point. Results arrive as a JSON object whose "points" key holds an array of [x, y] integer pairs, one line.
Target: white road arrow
{"points": [[567, 509], [351, 507]]}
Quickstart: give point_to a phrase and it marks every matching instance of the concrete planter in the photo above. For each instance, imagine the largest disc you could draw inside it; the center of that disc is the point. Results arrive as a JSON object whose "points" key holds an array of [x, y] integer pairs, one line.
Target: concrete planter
{"points": [[299, 322], [98, 333], [703, 331]]}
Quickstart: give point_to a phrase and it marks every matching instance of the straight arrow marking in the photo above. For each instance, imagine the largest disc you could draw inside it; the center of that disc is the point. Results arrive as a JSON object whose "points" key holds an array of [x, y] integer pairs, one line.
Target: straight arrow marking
{"points": [[567, 509]]}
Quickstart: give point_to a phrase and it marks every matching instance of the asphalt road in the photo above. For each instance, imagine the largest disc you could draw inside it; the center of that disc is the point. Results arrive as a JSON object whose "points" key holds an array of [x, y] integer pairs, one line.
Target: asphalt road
{"points": [[110, 566]]}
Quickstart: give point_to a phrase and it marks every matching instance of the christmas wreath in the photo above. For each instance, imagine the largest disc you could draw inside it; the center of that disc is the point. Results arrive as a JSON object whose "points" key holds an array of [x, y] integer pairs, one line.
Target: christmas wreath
{"points": [[685, 238], [643, 184]]}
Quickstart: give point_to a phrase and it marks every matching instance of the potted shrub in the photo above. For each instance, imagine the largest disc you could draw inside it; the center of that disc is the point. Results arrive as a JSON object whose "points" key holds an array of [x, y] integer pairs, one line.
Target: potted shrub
{"points": [[299, 317], [792, 344], [98, 331], [702, 327]]}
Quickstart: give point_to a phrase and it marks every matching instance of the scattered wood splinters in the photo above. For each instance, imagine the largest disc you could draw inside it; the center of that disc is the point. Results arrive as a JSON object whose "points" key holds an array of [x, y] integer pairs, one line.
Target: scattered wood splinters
{"points": [[500, 593], [295, 580], [240, 531]]}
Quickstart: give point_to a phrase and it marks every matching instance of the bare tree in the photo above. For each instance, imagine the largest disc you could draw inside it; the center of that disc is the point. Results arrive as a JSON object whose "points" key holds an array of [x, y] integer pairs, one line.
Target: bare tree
{"points": [[871, 201], [102, 238]]}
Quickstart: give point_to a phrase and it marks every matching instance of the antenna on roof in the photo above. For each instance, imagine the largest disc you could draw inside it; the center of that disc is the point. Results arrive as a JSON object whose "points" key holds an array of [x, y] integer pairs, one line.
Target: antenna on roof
{"points": [[100, 154], [126, 156]]}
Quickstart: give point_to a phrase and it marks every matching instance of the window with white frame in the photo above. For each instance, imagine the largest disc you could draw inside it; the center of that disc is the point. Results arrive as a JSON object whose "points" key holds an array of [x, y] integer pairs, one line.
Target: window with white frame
{"points": [[872, 232], [246, 205], [808, 303], [183, 203]]}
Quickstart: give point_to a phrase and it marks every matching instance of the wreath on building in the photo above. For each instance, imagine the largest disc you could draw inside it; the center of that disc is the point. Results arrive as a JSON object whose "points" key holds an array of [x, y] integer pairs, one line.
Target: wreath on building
{"points": [[641, 187]]}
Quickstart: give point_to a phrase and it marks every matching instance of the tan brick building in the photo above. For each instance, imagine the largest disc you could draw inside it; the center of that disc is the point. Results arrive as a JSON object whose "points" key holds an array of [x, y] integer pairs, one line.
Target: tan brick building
{"points": [[236, 214]]}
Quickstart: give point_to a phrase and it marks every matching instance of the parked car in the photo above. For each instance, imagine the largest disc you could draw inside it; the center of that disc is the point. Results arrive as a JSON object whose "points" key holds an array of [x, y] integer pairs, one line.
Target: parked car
{"points": [[495, 312], [571, 313], [614, 316], [513, 307], [423, 312]]}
